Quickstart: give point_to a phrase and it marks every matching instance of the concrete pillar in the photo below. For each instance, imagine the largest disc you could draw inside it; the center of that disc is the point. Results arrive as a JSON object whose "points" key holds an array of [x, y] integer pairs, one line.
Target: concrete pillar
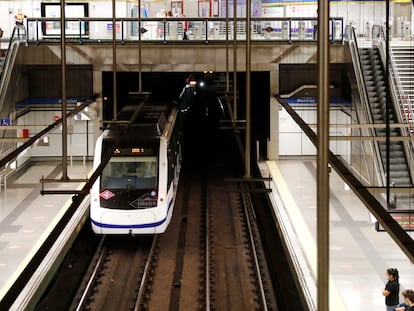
{"points": [[273, 144]]}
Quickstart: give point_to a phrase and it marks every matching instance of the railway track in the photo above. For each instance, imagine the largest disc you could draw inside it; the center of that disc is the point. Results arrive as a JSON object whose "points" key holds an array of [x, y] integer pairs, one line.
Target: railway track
{"points": [[210, 258], [236, 271], [118, 275]]}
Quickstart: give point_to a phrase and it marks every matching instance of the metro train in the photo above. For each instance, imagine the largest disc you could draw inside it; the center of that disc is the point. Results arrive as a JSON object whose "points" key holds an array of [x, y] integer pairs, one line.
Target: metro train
{"points": [[135, 194]]}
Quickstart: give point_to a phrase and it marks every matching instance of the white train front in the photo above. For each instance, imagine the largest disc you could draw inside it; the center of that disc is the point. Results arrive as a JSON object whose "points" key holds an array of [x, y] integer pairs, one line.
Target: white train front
{"points": [[135, 193]]}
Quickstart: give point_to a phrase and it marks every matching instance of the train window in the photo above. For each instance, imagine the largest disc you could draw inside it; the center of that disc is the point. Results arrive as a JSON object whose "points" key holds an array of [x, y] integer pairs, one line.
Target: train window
{"points": [[130, 173]]}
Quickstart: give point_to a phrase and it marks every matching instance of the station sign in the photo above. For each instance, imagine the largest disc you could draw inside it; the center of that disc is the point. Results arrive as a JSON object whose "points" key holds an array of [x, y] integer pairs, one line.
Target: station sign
{"points": [[88, 113], [5, 121], [117, 26]]}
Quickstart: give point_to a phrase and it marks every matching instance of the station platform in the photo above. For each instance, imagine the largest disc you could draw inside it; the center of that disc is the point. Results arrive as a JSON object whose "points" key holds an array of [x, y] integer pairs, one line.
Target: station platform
{"points": [[359, 255], [27, 218]]}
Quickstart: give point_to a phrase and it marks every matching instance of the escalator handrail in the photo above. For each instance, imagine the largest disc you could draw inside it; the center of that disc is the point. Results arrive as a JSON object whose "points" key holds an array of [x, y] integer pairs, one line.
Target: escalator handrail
{"points": [[9, 61], [396, 101]]}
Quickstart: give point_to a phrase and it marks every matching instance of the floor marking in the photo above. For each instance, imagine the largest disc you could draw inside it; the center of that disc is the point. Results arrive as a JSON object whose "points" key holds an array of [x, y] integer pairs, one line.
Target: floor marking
{"points": [[304, 235]]}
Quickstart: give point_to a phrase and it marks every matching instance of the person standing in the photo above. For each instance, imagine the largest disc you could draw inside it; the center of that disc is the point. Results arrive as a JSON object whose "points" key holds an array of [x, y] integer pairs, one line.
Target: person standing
{"points": [[392, 289], [19, 20], [409, 299], [408, 304]]}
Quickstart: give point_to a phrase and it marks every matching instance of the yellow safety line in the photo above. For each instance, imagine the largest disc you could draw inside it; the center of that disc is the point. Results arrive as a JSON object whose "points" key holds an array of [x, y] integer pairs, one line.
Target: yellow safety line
{"points": [[304, 235]]}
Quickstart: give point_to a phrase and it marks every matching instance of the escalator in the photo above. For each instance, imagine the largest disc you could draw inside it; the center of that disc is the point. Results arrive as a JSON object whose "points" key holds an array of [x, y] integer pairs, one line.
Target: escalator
{"points": [[374, 76]]}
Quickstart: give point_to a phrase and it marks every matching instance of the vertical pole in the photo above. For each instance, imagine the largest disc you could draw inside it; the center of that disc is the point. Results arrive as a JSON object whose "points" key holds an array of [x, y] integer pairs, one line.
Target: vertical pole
{"points": [[388, 102], [139, 49], [234, 59], [87, 139], [322, 157], [115, 95], [64, 103], [227, 50], [248, 91]]}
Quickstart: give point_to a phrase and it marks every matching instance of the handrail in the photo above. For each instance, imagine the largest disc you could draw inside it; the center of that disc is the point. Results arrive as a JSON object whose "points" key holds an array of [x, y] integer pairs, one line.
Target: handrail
{"points": [[9, 60], [299, 89], [211, 28], [8, 64], [15, 153], [353, 45]]}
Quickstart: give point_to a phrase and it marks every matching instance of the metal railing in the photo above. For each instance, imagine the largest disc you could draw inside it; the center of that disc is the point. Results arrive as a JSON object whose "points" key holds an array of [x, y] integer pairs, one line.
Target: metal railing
{"points": [[180, 29], [402, 105], [406, 103], [18, 36]]}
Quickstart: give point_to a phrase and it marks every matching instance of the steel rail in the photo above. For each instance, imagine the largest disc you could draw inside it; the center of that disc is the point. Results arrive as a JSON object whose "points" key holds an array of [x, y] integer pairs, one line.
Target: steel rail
{"points": [[247, 204], [143, 282], [101, 250], [207, 252]]}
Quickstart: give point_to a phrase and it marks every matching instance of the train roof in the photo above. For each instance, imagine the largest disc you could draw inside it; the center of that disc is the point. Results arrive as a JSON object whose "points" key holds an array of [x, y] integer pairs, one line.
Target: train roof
{"points": [[149, 123]]}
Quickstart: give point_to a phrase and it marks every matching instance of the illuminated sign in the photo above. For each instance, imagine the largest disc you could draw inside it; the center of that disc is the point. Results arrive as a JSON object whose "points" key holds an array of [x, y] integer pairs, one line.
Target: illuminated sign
{"points": [[133, 151], [138, 150], [404, 219], [5, 122], [72, 10]]}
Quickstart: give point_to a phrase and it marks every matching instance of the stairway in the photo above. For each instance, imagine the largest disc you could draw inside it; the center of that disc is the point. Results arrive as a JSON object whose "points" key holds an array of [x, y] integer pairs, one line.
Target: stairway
{"points": [[373, 72], [404, 67]]}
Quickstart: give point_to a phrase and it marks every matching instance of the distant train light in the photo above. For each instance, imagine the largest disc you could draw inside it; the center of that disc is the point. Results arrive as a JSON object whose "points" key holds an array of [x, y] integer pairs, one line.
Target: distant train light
{"points": [[193, 82], [201, 83]]}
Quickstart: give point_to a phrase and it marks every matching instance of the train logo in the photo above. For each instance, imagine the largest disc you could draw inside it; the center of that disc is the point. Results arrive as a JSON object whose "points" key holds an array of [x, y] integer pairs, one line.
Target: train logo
{"points": [[106, 194], [144, 201]]}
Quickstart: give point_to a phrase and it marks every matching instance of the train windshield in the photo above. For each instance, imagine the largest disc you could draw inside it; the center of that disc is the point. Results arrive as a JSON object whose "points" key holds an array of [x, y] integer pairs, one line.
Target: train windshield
{"points": [[130, 173]]}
